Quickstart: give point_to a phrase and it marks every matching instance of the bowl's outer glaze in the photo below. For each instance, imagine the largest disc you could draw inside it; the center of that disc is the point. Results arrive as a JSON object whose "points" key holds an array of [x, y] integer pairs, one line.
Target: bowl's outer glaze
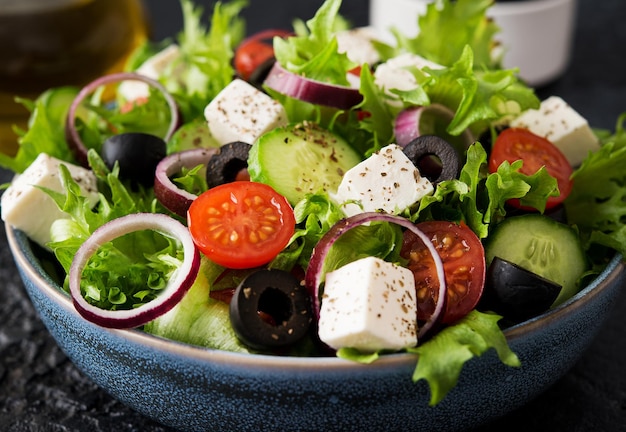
{"points": [[191, 388]]}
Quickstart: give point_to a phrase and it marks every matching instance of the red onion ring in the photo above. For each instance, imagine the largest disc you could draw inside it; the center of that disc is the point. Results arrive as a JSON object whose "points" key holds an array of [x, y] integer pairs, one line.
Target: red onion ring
{"points": [[314, 270], [73, 137], [171, 196], [408, 125], [175, 290], [312, 91]]}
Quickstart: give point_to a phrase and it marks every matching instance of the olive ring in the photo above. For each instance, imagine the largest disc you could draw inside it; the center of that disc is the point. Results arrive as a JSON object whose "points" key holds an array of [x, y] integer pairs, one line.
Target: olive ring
{"points": [[270, 309]]}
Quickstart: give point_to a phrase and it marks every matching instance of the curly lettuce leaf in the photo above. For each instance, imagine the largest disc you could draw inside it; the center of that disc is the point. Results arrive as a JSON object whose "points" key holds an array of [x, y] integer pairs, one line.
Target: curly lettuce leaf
{"points": [[463, 22], [46, 130], [116, 200], [315, 214], [478, 198], [508, 183], [441, 358], [379, 121], [198, 319], [313, 51], [477, 97], [596, 203], [206, 55], [472, 82]]}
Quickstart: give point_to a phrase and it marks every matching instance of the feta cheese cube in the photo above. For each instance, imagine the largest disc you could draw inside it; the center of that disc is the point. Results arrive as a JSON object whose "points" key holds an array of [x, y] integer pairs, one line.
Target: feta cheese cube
{"points": [[151, 68], [358, 46], [369, 305], [386, 181], [240, 112], [30, 209], [394, 74], [559, 123]]}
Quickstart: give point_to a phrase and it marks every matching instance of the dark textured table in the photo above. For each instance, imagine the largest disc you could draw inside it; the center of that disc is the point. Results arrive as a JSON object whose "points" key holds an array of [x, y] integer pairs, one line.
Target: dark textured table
{"points": [[40, 389]]}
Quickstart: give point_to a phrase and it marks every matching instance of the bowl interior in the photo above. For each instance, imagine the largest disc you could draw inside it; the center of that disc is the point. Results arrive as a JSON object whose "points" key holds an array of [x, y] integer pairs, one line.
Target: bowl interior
{"points": [[39, 266], [221, 390]]}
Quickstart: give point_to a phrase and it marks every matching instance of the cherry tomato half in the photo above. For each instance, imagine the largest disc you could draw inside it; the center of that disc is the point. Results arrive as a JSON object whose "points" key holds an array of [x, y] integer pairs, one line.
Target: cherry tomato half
{"points": [[464, 265], [515, 143], [255, 50], [241, 224]]}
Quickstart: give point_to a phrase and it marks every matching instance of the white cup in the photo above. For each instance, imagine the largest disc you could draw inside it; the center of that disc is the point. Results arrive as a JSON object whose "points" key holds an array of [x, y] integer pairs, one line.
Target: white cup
{"points": [[536, 35]]}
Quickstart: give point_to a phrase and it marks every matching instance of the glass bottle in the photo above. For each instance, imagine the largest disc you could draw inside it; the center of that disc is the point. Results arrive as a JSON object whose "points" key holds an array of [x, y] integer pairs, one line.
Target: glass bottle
{"points": [[50, 43]]}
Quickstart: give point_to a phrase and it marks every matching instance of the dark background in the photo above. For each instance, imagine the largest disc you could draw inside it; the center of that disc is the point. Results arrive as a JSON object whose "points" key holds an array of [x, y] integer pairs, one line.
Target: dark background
{"points": [[40, 389]]}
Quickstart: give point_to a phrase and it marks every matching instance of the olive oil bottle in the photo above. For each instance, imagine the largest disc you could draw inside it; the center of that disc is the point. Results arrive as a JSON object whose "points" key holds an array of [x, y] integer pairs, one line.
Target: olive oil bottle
{"points": [[49, 43]]}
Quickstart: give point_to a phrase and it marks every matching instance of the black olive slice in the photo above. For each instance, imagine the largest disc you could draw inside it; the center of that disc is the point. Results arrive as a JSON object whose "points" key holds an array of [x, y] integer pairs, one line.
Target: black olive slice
{"points": [[436, 158], [257, 77], [137, 154], [516, 293], [270, 309], [224, 165]]}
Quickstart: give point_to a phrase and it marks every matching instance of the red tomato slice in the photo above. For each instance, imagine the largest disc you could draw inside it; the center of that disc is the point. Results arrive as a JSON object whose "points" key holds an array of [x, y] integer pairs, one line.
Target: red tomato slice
{"points": [[464, 265], [241, 224], [256, 50], [515, 143]]}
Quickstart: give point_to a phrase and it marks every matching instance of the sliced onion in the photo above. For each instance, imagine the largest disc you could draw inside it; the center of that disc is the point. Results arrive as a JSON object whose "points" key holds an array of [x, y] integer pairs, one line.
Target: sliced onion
{"points": [[313, 274], [172, 197], [429, 120], [312, 91], [73, 137], [175, 290]]}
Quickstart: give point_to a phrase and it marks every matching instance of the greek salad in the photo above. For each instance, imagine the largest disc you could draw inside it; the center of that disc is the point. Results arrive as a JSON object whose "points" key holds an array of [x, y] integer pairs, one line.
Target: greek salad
{"points": [[320, 190]]}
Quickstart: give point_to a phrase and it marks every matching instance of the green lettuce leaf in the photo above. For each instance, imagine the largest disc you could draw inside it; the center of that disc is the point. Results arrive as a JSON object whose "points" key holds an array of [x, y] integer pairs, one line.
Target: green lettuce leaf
{"points": [[596, 203], [46, 130], [207, 55], [379, 121], [116, 200], [477, 97], [463, 22], [478, 198], [313, 51], [315, 214], [197, 319], [441, 358]]}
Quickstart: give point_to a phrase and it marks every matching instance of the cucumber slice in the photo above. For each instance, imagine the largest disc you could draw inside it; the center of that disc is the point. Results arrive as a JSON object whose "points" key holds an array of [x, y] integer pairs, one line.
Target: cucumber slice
{"points": [[299, 159], [543, 246], [193, 135]]}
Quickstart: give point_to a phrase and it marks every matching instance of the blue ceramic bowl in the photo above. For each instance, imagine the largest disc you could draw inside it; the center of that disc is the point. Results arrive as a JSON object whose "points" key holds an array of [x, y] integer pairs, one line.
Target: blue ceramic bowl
{"points": [[192, 388]]}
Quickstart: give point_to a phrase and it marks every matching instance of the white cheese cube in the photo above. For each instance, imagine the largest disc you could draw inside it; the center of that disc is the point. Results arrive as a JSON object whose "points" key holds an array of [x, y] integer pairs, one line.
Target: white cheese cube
{"points": [[386, 181], [369, 305], [151, 68], [240, 112], [358, 46], [560, 124], [395, 73], [33, 211]]}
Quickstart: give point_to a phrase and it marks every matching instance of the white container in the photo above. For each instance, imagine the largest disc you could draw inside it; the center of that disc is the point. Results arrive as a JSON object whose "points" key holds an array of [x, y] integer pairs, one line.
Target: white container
{"points": [[535, 34]]}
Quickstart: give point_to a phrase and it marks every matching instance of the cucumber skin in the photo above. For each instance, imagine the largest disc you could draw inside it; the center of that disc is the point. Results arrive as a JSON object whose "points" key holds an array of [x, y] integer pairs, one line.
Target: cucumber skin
{"points": [[512, 240], [299, 159]]}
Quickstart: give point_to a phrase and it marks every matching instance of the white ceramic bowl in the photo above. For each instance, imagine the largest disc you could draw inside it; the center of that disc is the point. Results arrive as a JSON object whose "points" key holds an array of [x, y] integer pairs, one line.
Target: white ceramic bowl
{"points": [[535, 34]]}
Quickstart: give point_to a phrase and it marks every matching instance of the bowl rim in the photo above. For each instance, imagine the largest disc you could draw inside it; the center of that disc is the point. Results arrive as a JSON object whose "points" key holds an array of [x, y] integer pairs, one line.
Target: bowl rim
{"points": [[24, 258], [527, 7]]}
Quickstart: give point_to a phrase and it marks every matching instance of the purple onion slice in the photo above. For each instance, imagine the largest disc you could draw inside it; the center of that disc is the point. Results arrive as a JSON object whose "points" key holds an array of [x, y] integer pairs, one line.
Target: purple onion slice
{"points": [[312, 91], [172, 197], [314, 270], [71, 133], [176, 288]]}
